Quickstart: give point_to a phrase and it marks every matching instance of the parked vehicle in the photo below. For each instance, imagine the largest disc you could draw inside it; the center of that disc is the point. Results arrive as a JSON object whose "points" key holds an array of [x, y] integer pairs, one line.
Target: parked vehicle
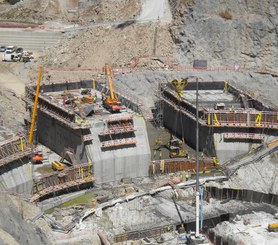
{"points": [[19, 50], [10, 57], [10, 49], [2, 48]]}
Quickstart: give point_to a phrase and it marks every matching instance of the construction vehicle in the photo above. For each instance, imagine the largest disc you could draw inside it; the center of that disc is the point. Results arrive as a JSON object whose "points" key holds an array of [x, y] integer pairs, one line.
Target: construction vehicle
{"points": [[179, 85], [175, 149], [174, 146], [111, 102], [57, 166], [37, 157], [273, 227], [34, 113]]}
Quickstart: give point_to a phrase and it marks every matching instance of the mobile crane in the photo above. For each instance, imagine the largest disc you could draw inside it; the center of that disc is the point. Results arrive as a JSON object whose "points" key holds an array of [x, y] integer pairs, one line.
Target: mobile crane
{"points": [[37, 156], [111, 103]]}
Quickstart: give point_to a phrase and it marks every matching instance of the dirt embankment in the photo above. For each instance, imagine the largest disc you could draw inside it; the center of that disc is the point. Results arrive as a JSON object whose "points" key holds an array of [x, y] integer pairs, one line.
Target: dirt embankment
{"points": [[71, 11]]}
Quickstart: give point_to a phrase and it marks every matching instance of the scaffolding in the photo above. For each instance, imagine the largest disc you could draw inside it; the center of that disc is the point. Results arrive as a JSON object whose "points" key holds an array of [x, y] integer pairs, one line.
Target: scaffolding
{"points": [[228, 118], [56, 184], [118, 143], [167, 166], [13, 149], [244, 136]]}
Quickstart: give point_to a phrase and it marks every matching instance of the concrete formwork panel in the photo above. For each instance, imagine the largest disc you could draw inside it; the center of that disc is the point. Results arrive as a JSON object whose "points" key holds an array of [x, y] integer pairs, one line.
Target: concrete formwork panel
{"points": [[58, 137], [185, 127], [18, 179], [113, 165], [228, 150]]}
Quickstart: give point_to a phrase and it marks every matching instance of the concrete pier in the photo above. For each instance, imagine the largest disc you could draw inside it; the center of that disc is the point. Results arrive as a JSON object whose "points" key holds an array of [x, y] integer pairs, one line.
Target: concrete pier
{"points": [[230, 121], [116, 144]]}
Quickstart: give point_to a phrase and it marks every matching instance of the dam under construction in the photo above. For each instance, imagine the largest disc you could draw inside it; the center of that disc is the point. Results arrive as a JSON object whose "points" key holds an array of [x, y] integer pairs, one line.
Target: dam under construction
{"points": [[129, 168]]}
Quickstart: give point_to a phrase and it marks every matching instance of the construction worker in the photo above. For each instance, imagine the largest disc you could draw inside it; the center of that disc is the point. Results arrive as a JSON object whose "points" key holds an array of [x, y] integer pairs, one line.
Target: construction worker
{"points": [[186, 177], [181, 176], [154, 153], [160, 154]]}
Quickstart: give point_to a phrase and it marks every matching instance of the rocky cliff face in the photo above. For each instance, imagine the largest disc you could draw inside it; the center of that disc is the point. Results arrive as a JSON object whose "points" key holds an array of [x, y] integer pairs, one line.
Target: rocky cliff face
{"points": [[229, 32]]}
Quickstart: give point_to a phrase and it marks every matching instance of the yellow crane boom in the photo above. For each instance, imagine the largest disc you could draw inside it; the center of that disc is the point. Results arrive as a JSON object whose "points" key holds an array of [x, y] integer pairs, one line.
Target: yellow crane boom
{"points": [[33, 121], [112, 102], [113, 95]]}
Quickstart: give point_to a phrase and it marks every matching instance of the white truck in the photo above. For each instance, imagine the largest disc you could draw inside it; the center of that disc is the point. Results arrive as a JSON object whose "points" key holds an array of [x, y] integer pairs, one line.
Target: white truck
{"points": [[10, 57]]}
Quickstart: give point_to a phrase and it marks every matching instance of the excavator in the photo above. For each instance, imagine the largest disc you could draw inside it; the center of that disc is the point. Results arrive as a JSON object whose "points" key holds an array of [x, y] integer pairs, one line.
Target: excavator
{"points": [[175, 149], [111, 103], [174, 146], [179, 85]]}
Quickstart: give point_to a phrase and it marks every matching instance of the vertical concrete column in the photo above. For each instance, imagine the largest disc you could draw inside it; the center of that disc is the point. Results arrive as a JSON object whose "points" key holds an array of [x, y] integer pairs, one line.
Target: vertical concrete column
{"points": [[248, 119]]}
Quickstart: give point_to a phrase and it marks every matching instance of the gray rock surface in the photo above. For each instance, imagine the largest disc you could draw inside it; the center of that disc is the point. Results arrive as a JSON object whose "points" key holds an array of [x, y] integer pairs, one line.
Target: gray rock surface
{"points": [[248, 38], [14, 229]]}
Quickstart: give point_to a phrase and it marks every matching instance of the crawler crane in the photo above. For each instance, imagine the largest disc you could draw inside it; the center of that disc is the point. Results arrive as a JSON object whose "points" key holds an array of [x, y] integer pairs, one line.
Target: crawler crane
{"points": [[111, 103]]}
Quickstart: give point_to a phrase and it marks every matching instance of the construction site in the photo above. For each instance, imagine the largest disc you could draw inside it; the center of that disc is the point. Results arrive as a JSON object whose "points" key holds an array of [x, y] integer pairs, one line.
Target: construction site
{"points": [[130, 127]]}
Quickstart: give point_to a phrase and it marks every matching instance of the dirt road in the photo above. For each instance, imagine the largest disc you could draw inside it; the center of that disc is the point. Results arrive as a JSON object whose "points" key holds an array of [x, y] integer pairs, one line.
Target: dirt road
{"points": [[153, 10]]}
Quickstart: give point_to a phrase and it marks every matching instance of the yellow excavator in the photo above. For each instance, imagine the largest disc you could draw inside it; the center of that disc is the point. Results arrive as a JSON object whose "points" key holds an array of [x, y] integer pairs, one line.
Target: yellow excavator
{"points": [[179, 85], [111, 103], [174, 146]]}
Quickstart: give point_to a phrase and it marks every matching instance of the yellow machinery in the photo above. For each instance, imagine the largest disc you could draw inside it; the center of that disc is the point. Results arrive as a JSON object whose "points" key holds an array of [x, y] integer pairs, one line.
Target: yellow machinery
{"points": [[273, 227], [111, 103], [175, 149], [34, 114], [174, 146], [179, 85], [57, 165]]}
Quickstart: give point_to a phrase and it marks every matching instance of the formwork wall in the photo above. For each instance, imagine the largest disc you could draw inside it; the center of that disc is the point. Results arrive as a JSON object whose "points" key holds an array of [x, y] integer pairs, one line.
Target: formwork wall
{"points": [[179, 116], [58, 137], [184, 127], [17, 178]]}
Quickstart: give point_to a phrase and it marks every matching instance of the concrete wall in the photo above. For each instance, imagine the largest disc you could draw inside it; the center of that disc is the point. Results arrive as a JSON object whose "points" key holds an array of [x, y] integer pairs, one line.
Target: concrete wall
{"points": [[18, 178], [121, 163], [58, 137], [228, 150], [185, 127]]}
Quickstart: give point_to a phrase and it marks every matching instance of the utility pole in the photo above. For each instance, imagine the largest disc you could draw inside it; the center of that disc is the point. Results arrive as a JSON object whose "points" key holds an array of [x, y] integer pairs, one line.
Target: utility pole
{"points": [[197, 234]]}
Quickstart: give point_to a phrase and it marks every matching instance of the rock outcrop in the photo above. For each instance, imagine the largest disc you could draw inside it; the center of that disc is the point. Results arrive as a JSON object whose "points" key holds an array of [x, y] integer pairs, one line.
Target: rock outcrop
{"points": [[227, 32]]}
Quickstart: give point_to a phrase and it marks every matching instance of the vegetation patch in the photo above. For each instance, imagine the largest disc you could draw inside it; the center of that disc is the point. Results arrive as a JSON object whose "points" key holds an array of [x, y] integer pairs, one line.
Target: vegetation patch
{"points": [[226, 15]]}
